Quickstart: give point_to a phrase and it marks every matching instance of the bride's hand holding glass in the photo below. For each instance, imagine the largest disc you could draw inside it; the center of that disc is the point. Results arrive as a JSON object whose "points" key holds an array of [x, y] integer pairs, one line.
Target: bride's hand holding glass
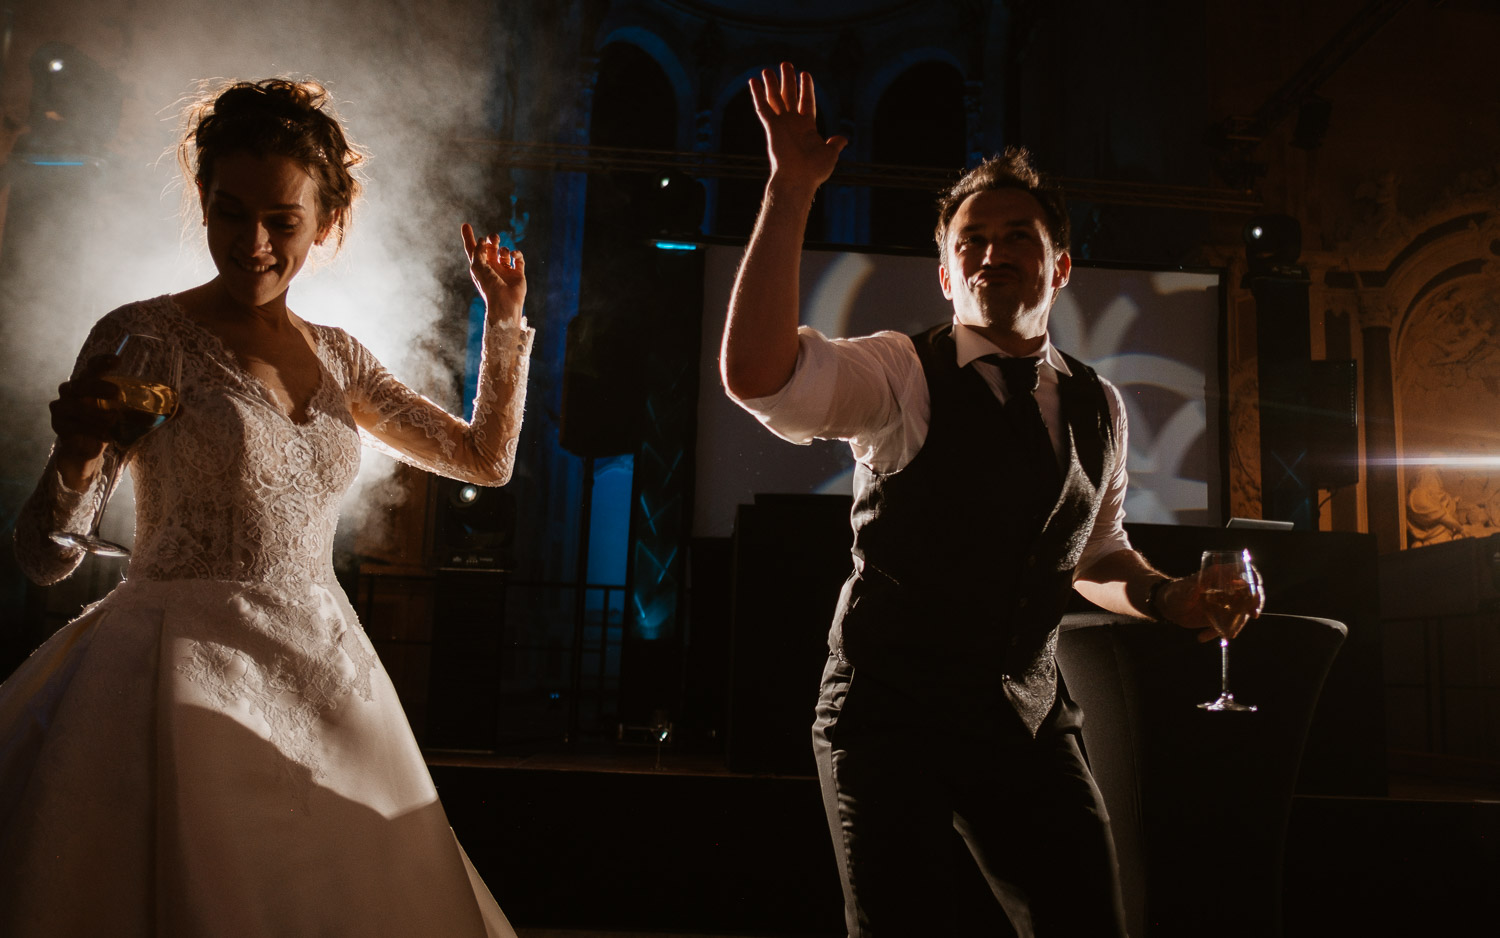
{"points": [[117, 399], [82, 427]]}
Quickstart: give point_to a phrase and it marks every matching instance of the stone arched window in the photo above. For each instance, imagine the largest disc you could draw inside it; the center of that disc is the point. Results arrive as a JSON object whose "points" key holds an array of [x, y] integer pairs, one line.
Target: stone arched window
{"points": [[919, 121], [738, 201]]}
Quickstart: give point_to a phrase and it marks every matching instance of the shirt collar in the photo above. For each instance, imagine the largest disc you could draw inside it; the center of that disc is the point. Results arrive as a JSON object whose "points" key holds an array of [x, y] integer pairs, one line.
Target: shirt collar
{"points": [[972, 345]]}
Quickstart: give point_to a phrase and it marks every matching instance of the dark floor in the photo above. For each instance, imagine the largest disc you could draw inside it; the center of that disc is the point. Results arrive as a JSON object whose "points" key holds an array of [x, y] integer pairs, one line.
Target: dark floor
{"points": [[593, 933], [590, 933], [608, 842], [613, 844]]}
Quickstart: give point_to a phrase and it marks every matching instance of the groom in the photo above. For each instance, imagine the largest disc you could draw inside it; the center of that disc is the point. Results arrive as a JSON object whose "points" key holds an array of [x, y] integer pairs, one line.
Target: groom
{"points": [[990, 479]]}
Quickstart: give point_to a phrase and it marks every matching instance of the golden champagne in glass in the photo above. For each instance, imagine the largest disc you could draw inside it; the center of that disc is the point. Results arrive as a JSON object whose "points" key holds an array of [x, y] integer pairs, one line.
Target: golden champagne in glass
{"points": [[145, 379]]}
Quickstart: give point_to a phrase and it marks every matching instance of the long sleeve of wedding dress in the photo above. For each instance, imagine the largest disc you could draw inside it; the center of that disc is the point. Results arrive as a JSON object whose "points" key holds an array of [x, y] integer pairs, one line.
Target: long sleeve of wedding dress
{"points": [[411, 428], [391, 417], [55, 507]]}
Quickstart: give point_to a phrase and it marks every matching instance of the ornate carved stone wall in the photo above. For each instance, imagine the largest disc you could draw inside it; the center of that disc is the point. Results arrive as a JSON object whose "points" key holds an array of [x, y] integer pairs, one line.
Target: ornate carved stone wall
{"points": [[1426, 295]]}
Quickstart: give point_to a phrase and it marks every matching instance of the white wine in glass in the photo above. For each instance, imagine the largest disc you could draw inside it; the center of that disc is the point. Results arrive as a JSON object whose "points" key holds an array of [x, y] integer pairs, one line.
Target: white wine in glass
{"points": [[1229, 585], [145, 379]]}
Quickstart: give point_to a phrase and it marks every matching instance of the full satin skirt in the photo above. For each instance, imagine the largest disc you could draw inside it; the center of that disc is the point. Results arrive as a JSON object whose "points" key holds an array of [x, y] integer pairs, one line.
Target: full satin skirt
{"points": [[170, 765]]}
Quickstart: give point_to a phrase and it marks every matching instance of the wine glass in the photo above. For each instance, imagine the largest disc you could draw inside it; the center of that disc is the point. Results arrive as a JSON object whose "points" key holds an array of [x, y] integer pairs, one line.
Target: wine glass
{"points": [[661, 732], [1230, 587], [145, 380]]}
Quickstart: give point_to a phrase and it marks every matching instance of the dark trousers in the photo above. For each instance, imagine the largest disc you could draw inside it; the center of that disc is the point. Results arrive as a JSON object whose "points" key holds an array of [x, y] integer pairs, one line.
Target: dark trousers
{"points": [[898, 780]]}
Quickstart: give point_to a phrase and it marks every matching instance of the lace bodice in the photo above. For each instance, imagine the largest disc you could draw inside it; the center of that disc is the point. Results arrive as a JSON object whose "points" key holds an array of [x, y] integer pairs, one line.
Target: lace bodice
{"points": [[214, 748], [232, 488]]}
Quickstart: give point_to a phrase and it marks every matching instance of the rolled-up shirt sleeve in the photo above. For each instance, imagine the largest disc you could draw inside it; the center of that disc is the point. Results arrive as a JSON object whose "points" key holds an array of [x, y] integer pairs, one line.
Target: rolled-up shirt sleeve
{"points": [[858, 390], [798, 412], [1109, 534]]}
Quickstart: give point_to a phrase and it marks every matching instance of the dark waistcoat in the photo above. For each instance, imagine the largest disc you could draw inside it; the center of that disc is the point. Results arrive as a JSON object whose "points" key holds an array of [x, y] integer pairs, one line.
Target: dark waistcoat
{"points": [[964, 559]]}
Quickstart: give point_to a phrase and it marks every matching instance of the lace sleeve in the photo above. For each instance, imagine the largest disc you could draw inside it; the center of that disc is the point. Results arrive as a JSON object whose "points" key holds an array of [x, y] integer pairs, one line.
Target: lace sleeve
{"points": [[408, 426], [55, 507]]}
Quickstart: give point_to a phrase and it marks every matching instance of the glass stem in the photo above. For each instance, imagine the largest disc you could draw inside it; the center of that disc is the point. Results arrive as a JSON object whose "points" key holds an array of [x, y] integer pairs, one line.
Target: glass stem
{"points": [[1224, 667], [108, 474]]}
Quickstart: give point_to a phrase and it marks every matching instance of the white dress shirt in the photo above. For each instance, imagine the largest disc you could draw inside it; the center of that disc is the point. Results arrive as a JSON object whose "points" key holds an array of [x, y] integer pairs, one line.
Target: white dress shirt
{"points": [[871, 392]]}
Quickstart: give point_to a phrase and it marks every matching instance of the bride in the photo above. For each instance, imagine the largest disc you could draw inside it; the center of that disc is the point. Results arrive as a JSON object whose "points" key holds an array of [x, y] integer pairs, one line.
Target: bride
{"points": [[214, 749]]}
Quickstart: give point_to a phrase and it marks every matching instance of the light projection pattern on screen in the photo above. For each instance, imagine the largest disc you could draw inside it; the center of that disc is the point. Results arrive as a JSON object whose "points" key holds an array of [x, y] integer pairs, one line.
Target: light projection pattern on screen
{"points": [[1154, 334], [1164, 482]]}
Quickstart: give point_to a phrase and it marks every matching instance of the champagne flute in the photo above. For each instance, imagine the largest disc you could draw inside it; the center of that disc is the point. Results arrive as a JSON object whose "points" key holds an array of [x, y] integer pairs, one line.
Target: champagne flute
{"points": [[145, 380], [1229, 586]]}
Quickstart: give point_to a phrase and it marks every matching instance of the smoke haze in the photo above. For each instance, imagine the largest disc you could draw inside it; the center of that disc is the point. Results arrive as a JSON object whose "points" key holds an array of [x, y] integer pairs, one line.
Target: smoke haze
{"points": [[407, 78]]}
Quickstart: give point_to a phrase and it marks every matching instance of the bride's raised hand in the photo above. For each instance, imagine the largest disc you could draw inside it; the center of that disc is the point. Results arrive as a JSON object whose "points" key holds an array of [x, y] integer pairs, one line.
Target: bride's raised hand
{"points": [[787, 107], [499, 273]]}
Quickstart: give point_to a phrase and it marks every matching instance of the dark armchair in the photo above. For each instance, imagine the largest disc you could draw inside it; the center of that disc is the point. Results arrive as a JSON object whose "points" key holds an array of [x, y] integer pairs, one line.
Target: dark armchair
{"points": [[1198, 801]]}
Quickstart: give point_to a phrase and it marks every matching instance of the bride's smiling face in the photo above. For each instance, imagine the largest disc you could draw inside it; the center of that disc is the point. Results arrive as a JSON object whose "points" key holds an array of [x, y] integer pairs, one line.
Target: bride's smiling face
{"points": [[263, 221]]}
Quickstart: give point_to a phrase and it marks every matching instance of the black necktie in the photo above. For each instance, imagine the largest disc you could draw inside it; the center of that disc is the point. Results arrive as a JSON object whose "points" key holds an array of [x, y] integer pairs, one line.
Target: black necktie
{"points": [[1021, 380], [1022, 375]]}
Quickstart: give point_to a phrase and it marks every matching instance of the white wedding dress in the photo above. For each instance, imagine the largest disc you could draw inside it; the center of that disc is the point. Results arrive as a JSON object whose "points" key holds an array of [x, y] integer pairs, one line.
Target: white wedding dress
{"points": [[214, 749]]}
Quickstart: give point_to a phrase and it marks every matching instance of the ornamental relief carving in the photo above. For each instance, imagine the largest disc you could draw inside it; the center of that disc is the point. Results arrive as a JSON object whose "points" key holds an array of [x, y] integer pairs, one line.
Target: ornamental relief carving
{"points": [[1448, 385], [1433, 282]]}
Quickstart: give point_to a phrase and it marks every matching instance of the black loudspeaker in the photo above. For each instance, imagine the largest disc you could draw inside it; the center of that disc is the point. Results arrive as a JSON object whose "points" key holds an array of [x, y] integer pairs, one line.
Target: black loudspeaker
{"points": [[1333, 424], [603, 391], [1273, 243], [473, 526], [705, 694], [1283, 364], [791, 557], [464, 696]]}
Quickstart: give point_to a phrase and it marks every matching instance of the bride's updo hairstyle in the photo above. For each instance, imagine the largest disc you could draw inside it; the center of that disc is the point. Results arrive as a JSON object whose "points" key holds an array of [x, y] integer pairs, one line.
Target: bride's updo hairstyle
{"points": [[273, 117]]}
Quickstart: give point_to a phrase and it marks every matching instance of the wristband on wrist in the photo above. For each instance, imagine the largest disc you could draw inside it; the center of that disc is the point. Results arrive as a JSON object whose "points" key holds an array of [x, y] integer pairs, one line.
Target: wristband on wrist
{"points": [[1152, 608]]}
